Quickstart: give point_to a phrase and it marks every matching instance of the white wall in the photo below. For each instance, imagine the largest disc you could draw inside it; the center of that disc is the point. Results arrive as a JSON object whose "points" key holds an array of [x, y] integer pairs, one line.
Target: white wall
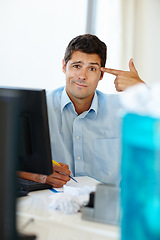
{"points": [[152, 41], [141, 37], [108, 28], [33, 38]]}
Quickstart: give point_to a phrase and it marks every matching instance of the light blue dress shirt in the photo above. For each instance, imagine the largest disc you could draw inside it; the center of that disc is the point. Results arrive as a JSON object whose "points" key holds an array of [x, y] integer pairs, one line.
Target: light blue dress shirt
{"points": [[90, 142]]}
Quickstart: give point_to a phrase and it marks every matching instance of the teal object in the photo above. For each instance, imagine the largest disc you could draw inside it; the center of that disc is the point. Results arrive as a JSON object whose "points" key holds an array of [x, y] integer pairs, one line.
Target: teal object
{"points": [[140, 186]]}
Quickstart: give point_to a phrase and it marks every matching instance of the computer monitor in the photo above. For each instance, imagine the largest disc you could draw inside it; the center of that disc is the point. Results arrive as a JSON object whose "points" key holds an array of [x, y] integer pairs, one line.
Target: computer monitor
{"points": [[8, 154], [24, 145], [34, 139], [34, 149]]}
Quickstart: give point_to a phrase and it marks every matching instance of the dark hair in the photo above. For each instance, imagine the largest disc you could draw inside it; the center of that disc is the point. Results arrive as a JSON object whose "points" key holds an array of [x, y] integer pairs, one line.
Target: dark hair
{"points": [[87, 43]]}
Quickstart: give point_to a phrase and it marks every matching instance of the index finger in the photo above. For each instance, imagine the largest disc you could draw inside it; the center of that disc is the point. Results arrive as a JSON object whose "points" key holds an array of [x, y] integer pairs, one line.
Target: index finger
{"points": [[62, 169], [64, 165], [111, 71]]}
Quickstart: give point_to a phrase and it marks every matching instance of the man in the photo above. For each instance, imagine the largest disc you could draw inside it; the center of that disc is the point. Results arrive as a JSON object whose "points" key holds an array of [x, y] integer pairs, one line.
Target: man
{"points": [[84, 122]]}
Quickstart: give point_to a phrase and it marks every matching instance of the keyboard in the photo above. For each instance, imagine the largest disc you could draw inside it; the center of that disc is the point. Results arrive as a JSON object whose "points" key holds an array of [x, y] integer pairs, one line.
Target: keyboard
{"points": [[26, 237], [28, 185]]}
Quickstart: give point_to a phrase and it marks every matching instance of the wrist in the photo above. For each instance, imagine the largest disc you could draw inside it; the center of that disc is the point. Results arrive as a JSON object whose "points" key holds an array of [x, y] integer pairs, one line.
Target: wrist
{"points": [[42, 178]]}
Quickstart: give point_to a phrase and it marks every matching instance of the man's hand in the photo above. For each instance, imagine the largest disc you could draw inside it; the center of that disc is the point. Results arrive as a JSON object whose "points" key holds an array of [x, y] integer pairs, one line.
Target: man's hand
{"points": [[124, 79], [59, 176], [57, 179]]}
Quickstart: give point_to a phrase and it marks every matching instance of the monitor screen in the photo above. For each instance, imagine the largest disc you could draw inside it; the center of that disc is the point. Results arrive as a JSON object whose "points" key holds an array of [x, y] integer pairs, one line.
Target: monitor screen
{"points": [[10, 112], [34, 146], [8, 155], [34, 149]]}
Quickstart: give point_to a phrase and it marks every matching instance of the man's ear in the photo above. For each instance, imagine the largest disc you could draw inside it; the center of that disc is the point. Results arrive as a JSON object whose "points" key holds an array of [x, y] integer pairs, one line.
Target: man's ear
{"points": [[63, 66], [101, 76]]}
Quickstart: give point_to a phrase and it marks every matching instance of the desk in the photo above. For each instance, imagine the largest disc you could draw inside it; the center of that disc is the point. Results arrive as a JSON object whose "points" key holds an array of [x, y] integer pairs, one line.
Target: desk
{"points": [[56, 225]]}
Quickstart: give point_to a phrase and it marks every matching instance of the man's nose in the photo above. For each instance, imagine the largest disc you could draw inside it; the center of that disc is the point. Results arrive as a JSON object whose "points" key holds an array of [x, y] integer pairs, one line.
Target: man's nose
{"points": [[83, 74]]}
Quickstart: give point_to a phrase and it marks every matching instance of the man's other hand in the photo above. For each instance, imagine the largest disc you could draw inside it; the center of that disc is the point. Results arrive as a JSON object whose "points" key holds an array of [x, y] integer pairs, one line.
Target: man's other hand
{"points": [[124, 79]]}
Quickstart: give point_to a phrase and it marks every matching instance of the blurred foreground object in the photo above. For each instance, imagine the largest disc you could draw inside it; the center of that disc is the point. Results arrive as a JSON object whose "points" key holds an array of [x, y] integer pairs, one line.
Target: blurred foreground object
{"points": [[140, 193]]}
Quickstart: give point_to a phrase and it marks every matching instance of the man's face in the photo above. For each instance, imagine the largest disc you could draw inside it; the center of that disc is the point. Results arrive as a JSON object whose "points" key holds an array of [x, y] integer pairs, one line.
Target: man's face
{"points": [[82, 75]]}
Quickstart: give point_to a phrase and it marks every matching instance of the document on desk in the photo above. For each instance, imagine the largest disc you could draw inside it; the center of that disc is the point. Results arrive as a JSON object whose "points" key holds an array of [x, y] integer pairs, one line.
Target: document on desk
{"points": [[72, 196], [68, 199], [82, 182]]}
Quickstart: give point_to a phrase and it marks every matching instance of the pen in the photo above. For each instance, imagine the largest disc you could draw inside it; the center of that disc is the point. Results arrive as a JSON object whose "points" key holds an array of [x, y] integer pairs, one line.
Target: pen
{"points": [[56, 163]]}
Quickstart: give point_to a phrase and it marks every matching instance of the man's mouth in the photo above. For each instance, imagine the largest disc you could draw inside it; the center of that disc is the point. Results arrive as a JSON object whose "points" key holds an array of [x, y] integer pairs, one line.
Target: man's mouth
{"points": [[79, 84]]}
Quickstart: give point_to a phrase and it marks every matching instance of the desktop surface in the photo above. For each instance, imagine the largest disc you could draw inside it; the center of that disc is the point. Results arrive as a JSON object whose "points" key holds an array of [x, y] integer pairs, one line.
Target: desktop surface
{"points": [[48, 224]]}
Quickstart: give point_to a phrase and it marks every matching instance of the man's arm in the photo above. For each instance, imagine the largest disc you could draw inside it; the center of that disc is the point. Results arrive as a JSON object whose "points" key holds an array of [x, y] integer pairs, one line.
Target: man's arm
{"points": [[124, 79], [56, 179]]}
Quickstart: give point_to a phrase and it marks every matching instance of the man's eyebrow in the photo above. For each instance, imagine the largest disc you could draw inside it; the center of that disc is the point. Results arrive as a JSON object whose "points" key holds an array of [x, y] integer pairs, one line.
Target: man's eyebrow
{"points": [[95, 63], [91, 63], [77, 62]]}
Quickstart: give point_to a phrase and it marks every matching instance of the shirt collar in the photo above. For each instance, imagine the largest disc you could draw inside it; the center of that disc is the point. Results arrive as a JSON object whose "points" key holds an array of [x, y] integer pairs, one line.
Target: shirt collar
{"points": [[66, 100], [94, 105]]}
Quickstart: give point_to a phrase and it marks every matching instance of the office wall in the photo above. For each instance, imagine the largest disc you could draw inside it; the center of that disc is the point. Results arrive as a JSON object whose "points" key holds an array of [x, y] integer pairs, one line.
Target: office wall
{"points": [[152, 41], [141, 37], [33, 38], [108, 27]]}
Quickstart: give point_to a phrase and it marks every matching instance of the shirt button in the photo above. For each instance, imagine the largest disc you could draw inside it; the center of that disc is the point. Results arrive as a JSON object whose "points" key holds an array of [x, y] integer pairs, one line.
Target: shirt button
{"points": [[78, 158], [77, 137]]}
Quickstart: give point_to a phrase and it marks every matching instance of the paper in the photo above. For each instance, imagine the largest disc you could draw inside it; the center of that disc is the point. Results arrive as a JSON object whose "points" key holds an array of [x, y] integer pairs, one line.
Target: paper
{"points": [[81, 182], [73, 196]]}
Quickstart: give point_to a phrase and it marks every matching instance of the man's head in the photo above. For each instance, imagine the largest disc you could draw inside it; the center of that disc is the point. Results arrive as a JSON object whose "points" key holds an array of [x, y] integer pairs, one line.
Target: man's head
{"points": [[84, 57], [87, 43]]}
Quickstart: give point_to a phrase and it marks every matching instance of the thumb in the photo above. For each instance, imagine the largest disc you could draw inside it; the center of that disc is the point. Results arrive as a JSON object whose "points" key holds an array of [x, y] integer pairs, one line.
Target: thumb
{"points": [[131, 66]]}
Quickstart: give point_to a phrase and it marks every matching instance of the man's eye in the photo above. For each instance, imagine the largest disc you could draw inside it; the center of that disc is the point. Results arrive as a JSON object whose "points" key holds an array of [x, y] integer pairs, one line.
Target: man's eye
{"points": [[92, 69], [76, 66]]}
